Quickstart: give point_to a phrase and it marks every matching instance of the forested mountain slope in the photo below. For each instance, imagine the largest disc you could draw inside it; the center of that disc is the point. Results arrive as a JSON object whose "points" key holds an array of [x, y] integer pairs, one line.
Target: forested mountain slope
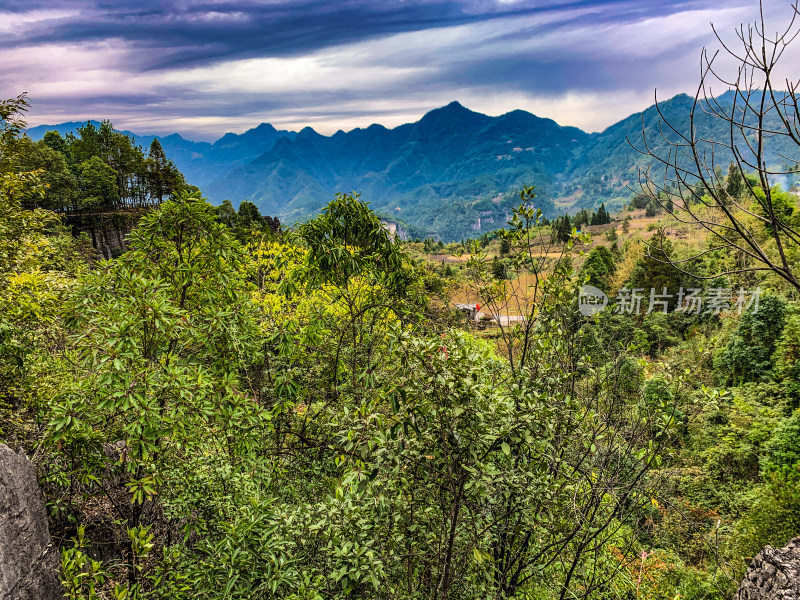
{"points": [[617, 152], [200, 162], [450, 175], [439, 175]]}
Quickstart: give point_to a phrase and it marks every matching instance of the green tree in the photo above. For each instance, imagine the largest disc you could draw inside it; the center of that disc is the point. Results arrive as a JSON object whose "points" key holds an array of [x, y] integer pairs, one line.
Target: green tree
{"points": [[119, 152], [599, 268], [562, 229], [654, 270], [581, 218], [347, 241], [787, 354], [54, 141], [249, 215], [227, 214], [498, 269], [163, 177], [782, 206], [747, 356], [601, 217], [61, 185], [37, 267], [734, 183], [161, 337], [783, 449], [98, 184], [17, 187]]}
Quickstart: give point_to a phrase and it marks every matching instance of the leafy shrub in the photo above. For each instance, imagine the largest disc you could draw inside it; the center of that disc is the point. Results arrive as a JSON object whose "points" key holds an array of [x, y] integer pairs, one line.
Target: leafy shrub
{"points": [[244, 559], [748, 354], [783, 450], [787, 357], [599, 268], [775, 516]]}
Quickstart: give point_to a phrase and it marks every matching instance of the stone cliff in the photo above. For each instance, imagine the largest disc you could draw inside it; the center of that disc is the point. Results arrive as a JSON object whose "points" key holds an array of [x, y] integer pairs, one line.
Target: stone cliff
{"points": [[774, 574], [29, 565]]}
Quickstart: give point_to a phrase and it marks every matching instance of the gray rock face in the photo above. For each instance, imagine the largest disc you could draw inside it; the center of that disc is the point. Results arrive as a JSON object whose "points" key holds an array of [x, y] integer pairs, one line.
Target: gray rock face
{"points": [[773, 574], [108, 241], [107, 232], [28, 564]]}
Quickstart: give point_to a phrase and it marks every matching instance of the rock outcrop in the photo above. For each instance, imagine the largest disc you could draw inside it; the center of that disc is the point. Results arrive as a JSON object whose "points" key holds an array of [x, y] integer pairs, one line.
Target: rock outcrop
{"points": [[108, 232], [28, 563], [773, 574], [274, 224]]}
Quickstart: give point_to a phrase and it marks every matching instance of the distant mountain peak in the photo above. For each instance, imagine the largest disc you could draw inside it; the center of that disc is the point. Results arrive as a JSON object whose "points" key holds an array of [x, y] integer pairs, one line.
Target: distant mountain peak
{"points": [[454, 108], [263, 133], [308, 133], [455, 104], [451, 115], [174, 137], [264, 127]]}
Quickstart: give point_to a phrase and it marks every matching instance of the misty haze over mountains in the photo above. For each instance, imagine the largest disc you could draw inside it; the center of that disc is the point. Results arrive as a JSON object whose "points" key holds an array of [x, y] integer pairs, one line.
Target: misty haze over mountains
{"points": [[453, 174]]}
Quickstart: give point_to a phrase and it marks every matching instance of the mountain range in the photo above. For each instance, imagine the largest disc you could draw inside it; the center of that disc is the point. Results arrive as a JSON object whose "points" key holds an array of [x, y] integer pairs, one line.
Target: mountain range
{"points": [[453, 174]]}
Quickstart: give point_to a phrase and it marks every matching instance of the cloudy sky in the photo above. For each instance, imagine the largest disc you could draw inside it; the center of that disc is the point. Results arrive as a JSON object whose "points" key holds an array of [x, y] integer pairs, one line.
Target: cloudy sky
{"points": [[205, 67]]}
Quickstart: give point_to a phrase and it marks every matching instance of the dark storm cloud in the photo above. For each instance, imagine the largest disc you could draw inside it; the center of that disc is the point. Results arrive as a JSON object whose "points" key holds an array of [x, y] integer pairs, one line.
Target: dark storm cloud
{"points": [[569, 73], [182, 34], [203, 67]]}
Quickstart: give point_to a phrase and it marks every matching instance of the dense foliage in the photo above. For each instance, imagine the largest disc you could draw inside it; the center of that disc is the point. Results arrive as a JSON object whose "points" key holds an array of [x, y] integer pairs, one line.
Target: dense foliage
{"points": [[225, 411], [98, 168]]}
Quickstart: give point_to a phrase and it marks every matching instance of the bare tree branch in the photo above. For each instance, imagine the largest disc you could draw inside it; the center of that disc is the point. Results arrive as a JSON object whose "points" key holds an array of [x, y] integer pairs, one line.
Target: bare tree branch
{"points": [[760, 122]]}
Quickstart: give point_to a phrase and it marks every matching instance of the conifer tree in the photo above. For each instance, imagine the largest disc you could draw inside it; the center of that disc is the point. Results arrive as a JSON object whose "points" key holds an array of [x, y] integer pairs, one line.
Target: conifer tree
{"points": [[603, 217], [164, 179], [734, 182], [563, 229]]}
